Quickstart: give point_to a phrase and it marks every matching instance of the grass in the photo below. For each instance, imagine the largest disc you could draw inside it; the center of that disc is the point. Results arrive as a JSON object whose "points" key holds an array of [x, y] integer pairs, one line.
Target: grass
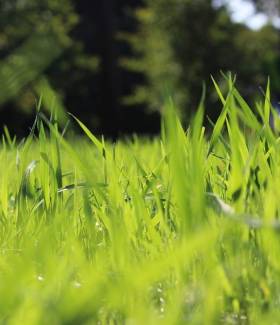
{"points": [[178, 230]]}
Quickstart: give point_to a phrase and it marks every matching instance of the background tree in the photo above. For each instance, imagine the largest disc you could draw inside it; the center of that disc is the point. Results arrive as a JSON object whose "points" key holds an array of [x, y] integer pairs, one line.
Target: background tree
{"points": [[40, 54], [112, 62], [271, 7], [196, 39]]}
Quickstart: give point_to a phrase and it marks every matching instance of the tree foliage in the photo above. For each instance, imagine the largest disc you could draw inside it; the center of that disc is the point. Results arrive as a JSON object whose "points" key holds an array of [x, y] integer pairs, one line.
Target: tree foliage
{"points": [[96, 58], [179, 50], [36, 42], [272, 7]]}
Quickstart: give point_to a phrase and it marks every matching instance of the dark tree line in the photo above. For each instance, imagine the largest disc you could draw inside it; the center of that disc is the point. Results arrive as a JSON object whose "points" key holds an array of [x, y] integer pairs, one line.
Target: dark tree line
{"points": [[112, 62]]}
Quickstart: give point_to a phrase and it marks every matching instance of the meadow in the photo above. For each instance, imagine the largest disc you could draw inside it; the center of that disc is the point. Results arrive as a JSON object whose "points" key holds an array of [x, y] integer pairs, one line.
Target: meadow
{"points": [[181, 229]]}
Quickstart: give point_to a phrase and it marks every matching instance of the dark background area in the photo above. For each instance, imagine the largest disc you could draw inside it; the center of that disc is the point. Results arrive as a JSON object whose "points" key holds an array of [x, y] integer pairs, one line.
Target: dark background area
{"points": [[112, 62]]}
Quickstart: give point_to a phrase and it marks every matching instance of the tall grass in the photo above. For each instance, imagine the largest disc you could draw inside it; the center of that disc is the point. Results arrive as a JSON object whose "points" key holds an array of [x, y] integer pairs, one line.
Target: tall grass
{"points": [[178, 230]]}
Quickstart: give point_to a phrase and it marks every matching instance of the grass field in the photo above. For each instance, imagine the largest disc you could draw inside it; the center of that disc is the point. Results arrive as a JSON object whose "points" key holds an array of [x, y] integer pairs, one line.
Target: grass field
{"points": [[178, 230]]}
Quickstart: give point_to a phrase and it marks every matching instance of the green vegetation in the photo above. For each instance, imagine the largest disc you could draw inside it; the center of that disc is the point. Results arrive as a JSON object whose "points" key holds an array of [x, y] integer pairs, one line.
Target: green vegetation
{"points": [[107, 59], [178, 230], [38, 52], [193, 41]]}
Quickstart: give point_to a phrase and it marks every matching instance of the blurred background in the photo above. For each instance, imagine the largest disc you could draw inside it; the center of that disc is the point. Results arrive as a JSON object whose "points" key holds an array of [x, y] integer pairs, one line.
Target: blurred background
{"points": [[112, 62]]}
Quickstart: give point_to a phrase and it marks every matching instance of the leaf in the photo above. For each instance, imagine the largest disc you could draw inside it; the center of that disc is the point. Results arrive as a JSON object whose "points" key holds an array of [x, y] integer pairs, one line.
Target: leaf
{"points": [[93, 138]]}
